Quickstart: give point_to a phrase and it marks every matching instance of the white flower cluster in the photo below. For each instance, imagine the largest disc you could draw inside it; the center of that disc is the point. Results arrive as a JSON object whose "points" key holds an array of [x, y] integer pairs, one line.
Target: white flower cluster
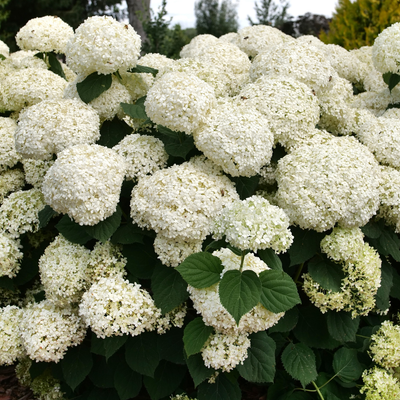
{"points": [[362, 274], [62, 269], [333, 182], [46, 34], [51, 126], [254, 224], [10, 342], [144, 155], [47, 331], [10, 256], [225, 351], [207, 303], [19, 212], [11, 180], [114, 307], [85, 183], [104, 45], [197, 45], [174, 318], [380, 384], [236, 138], [179, 101], [4, 49], [35, 171], [289, 105], [8, 154], [386, 50], [389, 208], [181, 201]]}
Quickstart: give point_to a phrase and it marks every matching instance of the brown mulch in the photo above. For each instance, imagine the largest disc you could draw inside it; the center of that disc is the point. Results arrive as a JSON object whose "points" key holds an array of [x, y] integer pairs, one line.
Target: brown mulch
{"points": [[10, 388]]}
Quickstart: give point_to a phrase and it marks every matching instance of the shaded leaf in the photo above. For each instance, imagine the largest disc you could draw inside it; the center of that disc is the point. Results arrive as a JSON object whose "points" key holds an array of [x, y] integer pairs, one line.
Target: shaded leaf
{"points": [[93, 86], [106, 228], [195, 335], [102, 374], [327, 273], [287, 322], [383, 294], [239, 292], [177, 144], [342, 326], [127, 382], [170, 346], [113, 344], [72, 231], [45, 215], [346, 365], [305, 245], [270, 258], [55, 65], [390, 243], [198, 371], [76, 365], [128, 234], [372, 229], [144, 69], [135, 111], [112, 132], [141, 259], [245, 186], [391, 79], [222, 389]]}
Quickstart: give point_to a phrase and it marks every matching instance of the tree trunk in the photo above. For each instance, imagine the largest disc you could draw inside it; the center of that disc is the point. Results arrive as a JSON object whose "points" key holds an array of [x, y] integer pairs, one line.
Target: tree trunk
{"points": [[139, 12]]}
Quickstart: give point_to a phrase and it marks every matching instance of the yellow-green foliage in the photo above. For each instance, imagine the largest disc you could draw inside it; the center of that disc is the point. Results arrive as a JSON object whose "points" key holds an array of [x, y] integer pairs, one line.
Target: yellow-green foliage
{"points": [[358, 23]]}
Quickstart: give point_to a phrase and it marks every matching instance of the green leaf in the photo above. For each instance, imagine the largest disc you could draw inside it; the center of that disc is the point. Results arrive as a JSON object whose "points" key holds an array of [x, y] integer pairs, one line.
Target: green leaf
{"points": [[223, 389], [342, 326], [76, 365], [299, 361], [239, 292], [97, 345], [102, 394], [327, 273], [93, 86], [167, 379], [390, 244], [198, 371], [270, 258], [177, 144], [278, 291], [128, 234], [245, 186], [102, 374], [201, 270], [113, 344], [112, 132], [141, 353], [2, 57], [55, 65], [305, 245], [106, 228], [141, 259], [395, 290], [383, 294], [7, 283], [169, 288], [170, 346], [372, 229], [72, 231], [195, 335], [145, 70], [259, 366], [287, 322], [127, 382], [346, 365], [391, 79], [135, 111], [45, 216]]}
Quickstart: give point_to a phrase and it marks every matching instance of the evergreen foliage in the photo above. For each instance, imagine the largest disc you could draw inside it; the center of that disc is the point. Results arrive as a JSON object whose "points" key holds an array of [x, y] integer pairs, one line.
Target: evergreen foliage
{"points": [[358, 23]]}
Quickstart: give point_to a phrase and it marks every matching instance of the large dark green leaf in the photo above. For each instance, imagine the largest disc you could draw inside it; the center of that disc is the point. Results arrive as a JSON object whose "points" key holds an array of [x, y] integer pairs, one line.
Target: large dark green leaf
{"points": [[177, 144], [327, 273], [245, 186], [106, 228], [76, 365], [141, 259], [346, 365], [342, 326], [383, 294], [391, 79], [144, 70], [113, 344], [305, 245], [72, 231], [287, 322], [198, 371], [195, 335], [112, 132], [239, 292], [55, 65], [102, 373], [93, 86], [259, 366], [170, 346], [127, 382], [169, 288], [45, 216], [135, 111], [223, 389], [128, 234], [270, 258]]}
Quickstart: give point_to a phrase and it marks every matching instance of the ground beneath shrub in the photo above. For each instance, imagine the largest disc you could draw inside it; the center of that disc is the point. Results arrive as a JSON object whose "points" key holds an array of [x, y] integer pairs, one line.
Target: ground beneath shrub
{"points": [[10, 389]]}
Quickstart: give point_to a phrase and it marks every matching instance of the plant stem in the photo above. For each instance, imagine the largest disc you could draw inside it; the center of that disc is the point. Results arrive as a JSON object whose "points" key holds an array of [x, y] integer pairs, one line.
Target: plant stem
{"points": [[298, 272], [318, 391], [242, 260]]}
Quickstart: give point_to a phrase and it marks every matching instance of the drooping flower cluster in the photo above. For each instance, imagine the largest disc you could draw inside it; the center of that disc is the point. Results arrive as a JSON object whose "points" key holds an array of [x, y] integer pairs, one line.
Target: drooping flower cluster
{"points": [[50, 126], [380, 384], [85, 183], [254, 224]]}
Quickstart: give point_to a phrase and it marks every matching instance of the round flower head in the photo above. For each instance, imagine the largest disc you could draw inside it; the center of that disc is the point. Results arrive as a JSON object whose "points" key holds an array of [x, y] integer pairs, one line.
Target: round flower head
{"points": [[19, 212], [144, 155], [85, 183], [50, 126], [386, 48], [29, 86], [311, 40], [254, 224], [108, 104], [62, 269], [382, 137], [236, 138], [374, 101], [25, 59], [11, 180], [115, 307], [45, 34], [380, 384], [10, 343], [389, 208], [8, 154], [297, 60], [172, 252], [181, 201], [324, 184], [257, 38], [10, 256], [231, 37], [225, 351], [207, 303], [4, 49], [385, 345], [289, 105], [179, 101], [47, 331], [35, 171], [104, 45], [197, 45]]}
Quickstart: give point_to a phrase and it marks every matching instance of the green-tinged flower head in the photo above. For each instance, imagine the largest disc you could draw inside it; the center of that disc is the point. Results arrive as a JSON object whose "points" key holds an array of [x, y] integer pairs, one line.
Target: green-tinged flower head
{"points": [[380, 384], [11, 180], [11, 347], [10, 255]]}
